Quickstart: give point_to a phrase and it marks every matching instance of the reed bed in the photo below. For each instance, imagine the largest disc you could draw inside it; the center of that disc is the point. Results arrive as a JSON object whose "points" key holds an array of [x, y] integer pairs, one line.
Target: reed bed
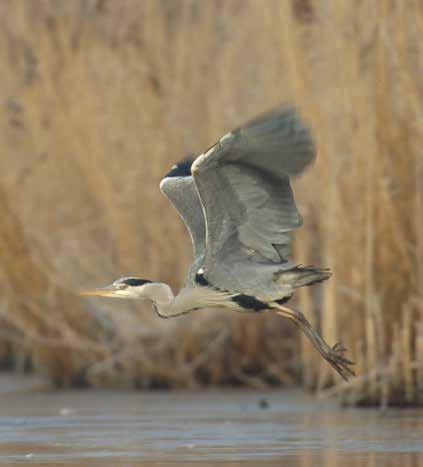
{"points": [[100, 98]]}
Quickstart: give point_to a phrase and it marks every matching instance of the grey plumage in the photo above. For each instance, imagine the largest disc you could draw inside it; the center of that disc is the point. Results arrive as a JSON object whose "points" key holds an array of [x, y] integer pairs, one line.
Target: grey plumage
{"points": [[237, 203], [182, 193], [239, 207]]}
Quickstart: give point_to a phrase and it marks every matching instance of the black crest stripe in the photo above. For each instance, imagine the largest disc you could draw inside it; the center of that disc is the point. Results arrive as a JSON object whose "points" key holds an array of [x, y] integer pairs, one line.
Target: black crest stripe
{"points": [[134, 282]]}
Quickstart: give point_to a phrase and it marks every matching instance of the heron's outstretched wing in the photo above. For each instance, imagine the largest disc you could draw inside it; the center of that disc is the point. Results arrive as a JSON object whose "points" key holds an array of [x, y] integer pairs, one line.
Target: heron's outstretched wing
{"points": [[178, 186], [244, 188]]}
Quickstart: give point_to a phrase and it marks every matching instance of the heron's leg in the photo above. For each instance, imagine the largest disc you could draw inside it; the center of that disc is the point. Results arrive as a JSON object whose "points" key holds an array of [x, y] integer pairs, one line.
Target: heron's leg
{"points": [[333, 355]]}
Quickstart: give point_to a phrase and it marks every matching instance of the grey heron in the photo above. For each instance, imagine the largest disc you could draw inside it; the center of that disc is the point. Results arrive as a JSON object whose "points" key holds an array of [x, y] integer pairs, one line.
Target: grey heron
{"points": [[238, 206]]}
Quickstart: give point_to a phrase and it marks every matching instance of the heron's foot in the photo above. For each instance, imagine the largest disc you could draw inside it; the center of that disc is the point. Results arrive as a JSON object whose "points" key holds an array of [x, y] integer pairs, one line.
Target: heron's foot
{"points": [[340, 363], [333, 355]]}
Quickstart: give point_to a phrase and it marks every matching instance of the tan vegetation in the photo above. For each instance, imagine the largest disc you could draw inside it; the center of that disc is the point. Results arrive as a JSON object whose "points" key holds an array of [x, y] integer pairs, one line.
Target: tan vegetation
{"points": [[100, 98]]}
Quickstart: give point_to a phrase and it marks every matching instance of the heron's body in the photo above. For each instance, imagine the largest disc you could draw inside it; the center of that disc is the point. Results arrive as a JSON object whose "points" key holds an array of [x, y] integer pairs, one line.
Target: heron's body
{"points": [[237, 203]]}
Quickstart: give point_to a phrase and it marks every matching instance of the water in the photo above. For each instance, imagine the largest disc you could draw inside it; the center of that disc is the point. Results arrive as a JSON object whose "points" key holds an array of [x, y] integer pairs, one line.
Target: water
{"points": [[208, 429]]}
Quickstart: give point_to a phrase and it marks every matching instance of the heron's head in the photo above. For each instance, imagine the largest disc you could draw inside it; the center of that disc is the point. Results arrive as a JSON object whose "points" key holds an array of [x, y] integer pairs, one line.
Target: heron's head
{"points": [[125, 287]]}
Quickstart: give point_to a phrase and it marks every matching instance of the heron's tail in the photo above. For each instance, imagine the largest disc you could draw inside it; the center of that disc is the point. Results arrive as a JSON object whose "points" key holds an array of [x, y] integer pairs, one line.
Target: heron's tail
{"points": [[304, 275]]}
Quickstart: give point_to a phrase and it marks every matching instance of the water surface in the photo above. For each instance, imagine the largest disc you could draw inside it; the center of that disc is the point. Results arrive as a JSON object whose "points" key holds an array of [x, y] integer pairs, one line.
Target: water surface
{"points": [[207, 428]]}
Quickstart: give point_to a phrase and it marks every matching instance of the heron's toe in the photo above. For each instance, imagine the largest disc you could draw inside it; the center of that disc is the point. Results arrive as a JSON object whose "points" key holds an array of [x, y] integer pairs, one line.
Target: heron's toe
{"points": [[339, 362]]}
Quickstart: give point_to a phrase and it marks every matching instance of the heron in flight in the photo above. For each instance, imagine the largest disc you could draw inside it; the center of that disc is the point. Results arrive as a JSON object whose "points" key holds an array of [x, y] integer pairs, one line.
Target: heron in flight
{"points": [[237, 204]]}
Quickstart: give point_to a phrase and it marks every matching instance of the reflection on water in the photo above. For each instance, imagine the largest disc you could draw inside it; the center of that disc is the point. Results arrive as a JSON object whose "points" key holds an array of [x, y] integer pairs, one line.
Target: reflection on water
{"points": [[209, 428]]}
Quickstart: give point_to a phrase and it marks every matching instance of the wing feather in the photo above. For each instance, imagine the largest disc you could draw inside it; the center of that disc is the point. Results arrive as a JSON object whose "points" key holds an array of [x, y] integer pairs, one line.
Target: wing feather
{"points": [[244, 188], [182, 193]]}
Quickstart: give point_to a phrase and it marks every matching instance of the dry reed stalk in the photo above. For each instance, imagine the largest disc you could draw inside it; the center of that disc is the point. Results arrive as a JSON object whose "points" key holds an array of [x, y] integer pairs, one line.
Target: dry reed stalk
{"points": [[419, 358], [407, 353]]}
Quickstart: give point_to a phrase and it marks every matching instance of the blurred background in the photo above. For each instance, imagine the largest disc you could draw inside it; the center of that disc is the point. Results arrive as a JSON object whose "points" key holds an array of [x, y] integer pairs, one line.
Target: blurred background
{"points": [[100, 98]]}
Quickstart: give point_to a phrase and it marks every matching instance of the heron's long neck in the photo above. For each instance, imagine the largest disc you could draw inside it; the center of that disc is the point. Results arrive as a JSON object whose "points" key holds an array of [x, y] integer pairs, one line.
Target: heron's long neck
{"points": [[164, 302], [158, 293], [168, 306]]}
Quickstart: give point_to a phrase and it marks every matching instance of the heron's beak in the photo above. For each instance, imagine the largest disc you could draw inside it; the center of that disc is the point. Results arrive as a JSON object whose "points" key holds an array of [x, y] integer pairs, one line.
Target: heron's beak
{"points": [[108, 291]]}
